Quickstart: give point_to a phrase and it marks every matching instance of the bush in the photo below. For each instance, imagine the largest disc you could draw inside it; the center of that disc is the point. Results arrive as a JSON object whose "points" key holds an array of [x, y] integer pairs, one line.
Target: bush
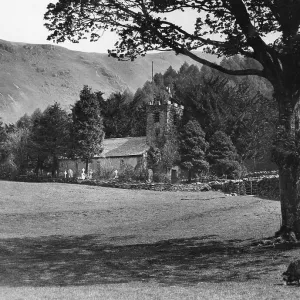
{"points": [[161, 178], [231, 168], [8, 170], [104, 170], [126, 173], [140, 174]]}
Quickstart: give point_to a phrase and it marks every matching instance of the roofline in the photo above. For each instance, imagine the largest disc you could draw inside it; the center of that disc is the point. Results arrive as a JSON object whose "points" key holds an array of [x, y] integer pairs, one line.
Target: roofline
{"points": [[97, 157], [120, 155]]}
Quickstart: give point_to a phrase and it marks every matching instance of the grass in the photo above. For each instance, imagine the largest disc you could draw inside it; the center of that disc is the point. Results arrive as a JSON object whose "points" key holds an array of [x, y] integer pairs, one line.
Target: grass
{"points": [[35, 76], [80, 242]]}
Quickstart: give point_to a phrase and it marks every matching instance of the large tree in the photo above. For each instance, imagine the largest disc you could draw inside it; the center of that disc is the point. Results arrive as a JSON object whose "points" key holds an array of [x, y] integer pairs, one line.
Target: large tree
{"points": [[87, 130], [224, 27], [192, 149], [50, 135]]}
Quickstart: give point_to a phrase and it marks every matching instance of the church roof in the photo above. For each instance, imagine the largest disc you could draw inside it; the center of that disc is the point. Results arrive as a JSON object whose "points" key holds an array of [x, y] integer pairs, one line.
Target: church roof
{"points": [[129, 146]]}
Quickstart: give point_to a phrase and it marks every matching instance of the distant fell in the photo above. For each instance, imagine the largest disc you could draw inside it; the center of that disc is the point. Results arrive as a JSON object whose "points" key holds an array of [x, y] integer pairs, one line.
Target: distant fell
{"points": [[34, 76]]}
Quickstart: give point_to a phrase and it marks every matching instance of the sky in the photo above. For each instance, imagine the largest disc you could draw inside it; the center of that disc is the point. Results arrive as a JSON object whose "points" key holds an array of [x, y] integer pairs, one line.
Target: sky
{"points": [[22, 21]]}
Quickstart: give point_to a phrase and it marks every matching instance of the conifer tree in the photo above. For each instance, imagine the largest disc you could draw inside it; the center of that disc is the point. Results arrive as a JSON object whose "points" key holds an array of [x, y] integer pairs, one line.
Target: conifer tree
{"points": [[87, 128], [192, 149], [222, 156], [50, 136]]}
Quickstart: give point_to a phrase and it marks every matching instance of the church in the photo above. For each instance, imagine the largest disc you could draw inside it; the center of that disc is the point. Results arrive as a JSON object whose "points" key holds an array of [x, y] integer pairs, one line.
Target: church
{"points": [[131, 150]]}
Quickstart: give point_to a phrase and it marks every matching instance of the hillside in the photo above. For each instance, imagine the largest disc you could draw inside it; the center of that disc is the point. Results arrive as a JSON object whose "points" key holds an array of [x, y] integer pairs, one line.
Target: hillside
{"points": [[34, 76]]}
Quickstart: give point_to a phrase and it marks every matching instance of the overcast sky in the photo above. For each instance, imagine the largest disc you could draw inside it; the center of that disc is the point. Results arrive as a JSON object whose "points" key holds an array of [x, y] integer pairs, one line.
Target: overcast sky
{"points": [[22, 21]]}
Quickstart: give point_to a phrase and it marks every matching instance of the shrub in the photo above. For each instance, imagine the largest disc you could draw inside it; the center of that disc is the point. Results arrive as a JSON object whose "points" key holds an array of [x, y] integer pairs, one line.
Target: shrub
{"points": [[104, 169], [231, 168], [161, 177], [127, 173], [8, 169], [140, 174]]}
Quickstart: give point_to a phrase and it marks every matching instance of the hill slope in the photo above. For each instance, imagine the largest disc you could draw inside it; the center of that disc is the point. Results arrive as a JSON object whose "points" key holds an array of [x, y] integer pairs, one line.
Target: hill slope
{"points": [[34, 76]]}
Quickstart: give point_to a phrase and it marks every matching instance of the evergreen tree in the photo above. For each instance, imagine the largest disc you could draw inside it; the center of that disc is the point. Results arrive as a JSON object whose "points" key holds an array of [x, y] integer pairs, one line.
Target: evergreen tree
{"points": [[115, 111], [169, 78], [87, 128], [222, 156], [24, 122], [137, 115], [2, 132], [50, 136], [192, 149]]}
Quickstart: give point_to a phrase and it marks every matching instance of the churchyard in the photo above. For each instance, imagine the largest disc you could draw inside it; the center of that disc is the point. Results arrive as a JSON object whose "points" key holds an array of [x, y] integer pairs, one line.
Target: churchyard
{"points": [[63, 241]]}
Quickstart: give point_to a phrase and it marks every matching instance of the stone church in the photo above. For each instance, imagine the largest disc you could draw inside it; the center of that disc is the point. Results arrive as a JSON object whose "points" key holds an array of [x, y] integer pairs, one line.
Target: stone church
{"points": [[131, 150]]}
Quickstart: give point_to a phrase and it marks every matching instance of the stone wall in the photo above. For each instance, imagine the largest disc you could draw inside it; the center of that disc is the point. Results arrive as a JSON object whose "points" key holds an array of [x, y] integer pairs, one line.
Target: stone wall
{"points": [[266, 187]]}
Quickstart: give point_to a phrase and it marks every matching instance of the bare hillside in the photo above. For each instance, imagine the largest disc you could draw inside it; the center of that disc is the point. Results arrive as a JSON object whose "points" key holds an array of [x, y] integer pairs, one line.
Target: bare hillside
{"points": [[34, 76]]}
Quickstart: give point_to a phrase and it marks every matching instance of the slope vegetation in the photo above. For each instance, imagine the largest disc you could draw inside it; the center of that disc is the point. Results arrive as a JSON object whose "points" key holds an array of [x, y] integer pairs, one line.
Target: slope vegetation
{"points": [[34, 76]]}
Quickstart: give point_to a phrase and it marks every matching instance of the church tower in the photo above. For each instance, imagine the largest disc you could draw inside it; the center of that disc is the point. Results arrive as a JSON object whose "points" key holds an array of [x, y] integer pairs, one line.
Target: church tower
{"points": [[159, 117]]}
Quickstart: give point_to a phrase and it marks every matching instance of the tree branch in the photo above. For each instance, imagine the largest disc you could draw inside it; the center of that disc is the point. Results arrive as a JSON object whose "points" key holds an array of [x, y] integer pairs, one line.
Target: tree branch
{"points": [[217, 67]]}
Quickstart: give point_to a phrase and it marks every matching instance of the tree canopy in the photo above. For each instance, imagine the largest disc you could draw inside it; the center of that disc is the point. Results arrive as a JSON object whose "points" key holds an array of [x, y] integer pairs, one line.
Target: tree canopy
{"points": [[241, 26], [87, 129], [50, 134]]}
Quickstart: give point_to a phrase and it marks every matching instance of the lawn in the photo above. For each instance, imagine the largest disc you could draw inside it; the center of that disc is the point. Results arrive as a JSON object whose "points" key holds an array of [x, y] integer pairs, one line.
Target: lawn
{"points": [[60, 241]]}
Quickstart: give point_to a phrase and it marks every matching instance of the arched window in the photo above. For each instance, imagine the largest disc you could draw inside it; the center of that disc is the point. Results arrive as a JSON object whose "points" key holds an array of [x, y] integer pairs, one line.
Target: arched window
{"points": [[175, 119]]}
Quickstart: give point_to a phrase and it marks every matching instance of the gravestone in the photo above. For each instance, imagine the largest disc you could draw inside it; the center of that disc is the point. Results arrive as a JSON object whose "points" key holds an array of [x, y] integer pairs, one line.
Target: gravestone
{"points": [[70, 173], [115, 174], [150, 175]]}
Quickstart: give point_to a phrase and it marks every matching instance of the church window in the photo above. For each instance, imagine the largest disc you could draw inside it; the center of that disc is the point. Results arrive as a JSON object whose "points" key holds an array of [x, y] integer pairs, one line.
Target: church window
{"points": [[156, 117], [157, 132], [175, 119]]}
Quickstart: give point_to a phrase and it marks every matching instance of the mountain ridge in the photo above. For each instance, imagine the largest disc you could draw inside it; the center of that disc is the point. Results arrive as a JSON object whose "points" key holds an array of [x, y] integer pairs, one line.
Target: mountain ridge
{"points": [[37, 75]]}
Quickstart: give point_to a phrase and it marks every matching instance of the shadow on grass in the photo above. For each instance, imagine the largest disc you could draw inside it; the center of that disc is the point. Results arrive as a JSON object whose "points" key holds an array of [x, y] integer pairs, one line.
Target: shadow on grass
{"points": [[63, 261]]}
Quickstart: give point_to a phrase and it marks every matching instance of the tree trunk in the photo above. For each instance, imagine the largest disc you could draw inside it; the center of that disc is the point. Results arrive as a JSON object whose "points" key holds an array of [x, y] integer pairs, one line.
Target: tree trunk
{"points": [[87, 167], [54, 166], [289, 198], [189, 176], [287, 159]]}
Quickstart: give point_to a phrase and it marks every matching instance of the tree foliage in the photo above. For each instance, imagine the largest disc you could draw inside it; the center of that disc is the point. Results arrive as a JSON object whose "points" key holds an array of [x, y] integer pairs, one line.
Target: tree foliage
{"points": [[87, 130], [193, 147], [238, 107], [51, 135], [242, 26], [115, 112], [222, 156], [15, 151]]}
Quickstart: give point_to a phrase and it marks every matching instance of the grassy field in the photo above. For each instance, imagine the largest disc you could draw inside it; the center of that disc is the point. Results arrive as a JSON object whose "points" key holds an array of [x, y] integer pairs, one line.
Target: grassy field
{"points": [[81, 242]]}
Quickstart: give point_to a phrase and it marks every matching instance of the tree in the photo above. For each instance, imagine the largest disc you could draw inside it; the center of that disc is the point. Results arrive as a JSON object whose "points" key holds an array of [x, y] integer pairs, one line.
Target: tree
{"points": [[222, 156], [2, 132], [15, 152], [87, 128], [115, 112], [223, 27], [51, 136], [137, 114], [24, 122], [193, 148], [236, 107]]}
